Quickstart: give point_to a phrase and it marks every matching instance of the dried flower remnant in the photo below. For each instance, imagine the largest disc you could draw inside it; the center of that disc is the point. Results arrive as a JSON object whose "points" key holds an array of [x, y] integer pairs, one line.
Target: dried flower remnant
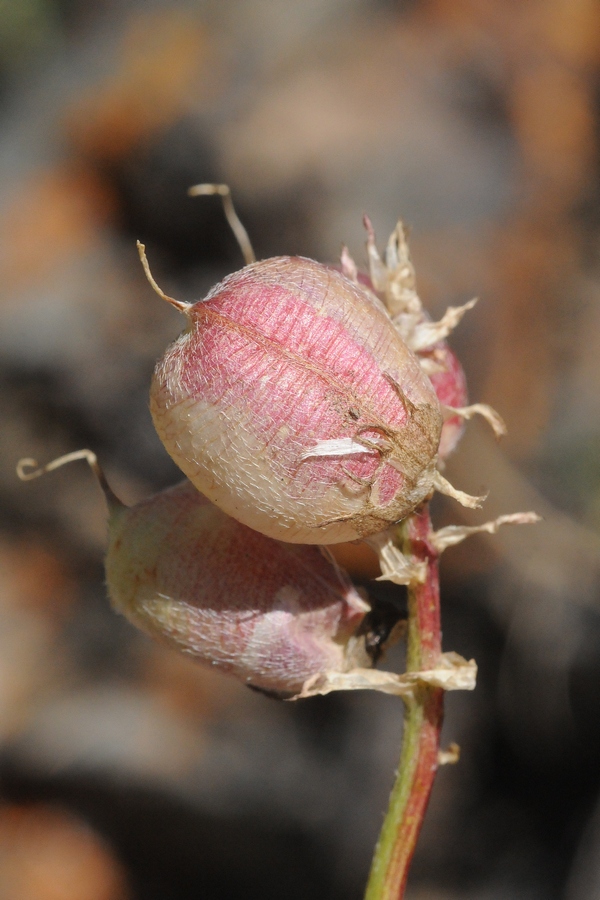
{"points": [[392, 280]]}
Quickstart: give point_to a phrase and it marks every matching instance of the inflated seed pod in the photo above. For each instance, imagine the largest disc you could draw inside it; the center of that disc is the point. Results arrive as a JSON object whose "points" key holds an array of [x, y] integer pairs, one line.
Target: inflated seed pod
{"points": [[272, 614], [293, 403]]}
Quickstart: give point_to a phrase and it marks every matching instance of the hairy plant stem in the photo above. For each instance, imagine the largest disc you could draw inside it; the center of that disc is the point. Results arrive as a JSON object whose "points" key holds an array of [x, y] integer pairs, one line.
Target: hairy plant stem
{"points": [[422, 722]]}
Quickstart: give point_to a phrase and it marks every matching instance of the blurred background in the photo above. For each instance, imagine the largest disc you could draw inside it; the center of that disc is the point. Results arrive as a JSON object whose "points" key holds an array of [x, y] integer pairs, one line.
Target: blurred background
{"points": [[127, 772]]}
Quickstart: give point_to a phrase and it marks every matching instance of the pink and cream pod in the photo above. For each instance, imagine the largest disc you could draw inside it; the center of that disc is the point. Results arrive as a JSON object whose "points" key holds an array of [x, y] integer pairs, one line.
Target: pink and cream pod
{"points": [[272, 614], [293, 403]]}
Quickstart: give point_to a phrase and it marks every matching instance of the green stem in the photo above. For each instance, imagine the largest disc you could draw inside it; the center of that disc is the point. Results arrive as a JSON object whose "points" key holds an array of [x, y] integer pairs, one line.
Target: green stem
{"points": [[422, 724]]}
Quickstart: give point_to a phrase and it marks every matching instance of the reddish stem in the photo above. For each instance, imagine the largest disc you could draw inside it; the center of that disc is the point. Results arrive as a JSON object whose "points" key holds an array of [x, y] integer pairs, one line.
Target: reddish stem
{"points": [[422, 723], [424, 618]]}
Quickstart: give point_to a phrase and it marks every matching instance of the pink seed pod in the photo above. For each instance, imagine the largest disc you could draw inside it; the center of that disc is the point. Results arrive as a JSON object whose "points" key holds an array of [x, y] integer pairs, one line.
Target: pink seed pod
{"points": [[293, 403], [308, 401], [269, 613], [272, 614]]}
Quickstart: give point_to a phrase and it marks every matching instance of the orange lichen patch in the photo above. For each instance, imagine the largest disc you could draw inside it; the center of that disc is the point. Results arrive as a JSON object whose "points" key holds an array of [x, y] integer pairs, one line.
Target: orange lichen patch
{"points": [[162, 61], [47, 854], [55, 215]]}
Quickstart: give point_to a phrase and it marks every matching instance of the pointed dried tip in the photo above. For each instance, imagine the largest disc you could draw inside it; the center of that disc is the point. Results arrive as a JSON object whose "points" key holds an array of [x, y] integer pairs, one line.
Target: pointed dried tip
{"points": [[348, 265], [494, 419], [369, 228], [400, 235], [224, 192], [450, 756], [426, 334], [395, 565], [178, 304], [397, 251], [444, 487], [454, 534], [377, 269], [28, 469]]}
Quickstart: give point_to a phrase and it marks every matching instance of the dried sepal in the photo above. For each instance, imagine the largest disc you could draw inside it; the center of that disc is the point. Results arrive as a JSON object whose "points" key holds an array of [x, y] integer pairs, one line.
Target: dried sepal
{"points": [[29, 469], [224, 192], [395, 284], [431, 366], [455, 534], [450, 756], [348, 265], [395, 565], [395, 280], [493, 418], [377, 269], [442, 485], [179, 305], [427, 334], [452, 673]]}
